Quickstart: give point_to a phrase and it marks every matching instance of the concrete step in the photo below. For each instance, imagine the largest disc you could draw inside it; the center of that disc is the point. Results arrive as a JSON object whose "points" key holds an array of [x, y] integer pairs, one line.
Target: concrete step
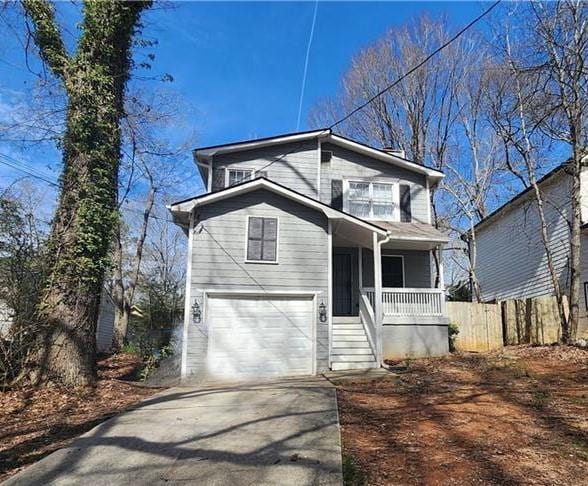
{"points": [[346, 320], [351, 344], [354, 366], [341, 327], [352, 358], [359, 351], [349, 337], [348, 332]]}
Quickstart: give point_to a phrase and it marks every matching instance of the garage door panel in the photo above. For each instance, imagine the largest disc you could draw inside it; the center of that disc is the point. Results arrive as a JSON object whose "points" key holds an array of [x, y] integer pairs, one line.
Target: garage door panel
{"points": [[260, 336]]}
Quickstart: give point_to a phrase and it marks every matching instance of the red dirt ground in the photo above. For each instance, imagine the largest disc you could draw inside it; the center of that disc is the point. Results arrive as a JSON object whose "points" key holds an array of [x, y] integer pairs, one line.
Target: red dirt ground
{"points": [[37, 421], [509, 418]]}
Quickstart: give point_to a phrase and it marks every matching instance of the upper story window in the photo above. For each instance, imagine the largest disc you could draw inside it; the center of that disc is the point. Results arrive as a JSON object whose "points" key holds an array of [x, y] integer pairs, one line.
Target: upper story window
{"points": [[236, 176], [326, 156], [262, 240], [372, 200]]}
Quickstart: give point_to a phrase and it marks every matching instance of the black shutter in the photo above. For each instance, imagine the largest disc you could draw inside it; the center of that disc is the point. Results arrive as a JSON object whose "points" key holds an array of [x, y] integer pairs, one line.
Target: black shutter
{"points": [[218, 178], [337, 194], [405, 212]]}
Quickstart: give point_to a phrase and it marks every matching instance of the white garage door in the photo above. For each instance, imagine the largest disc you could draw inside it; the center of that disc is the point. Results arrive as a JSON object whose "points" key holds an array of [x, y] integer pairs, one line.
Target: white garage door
{"points": [[259, 336]]}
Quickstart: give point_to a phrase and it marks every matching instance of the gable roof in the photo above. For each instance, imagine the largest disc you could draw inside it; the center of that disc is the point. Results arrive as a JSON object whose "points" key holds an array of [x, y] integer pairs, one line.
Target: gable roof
{"points": [[187, 205], [509, 204], [327, 135]]}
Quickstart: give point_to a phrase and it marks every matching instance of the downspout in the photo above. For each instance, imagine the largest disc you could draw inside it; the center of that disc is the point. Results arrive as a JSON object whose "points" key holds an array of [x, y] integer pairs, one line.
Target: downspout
{"points": [[379, 315]]}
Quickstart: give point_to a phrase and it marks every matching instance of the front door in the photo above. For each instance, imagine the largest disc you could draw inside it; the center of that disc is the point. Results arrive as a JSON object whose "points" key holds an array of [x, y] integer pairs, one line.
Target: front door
{"points": [[342, 284]]}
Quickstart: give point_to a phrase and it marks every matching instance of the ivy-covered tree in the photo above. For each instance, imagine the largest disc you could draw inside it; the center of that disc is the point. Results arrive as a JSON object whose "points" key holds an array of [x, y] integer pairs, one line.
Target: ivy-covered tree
{"points": [[94, 79]]}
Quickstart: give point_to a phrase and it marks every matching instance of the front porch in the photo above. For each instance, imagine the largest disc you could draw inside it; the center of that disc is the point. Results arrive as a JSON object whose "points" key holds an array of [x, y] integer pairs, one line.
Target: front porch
{"points": [[384, 301]]}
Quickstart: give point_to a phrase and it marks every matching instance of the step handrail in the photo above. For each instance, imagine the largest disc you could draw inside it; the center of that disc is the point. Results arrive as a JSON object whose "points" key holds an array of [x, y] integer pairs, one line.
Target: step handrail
{"points": [[368, 320]]}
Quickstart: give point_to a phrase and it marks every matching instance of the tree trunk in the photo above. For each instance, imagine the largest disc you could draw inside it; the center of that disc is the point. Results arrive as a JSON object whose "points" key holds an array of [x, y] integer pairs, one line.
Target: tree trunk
{"points": [[569, 333], [121, 325], [86, 215]]}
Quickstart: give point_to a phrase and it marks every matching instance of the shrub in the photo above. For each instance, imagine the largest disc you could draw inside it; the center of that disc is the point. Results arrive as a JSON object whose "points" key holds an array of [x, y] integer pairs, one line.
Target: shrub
{"points": [[452, 332], [353, 475]]}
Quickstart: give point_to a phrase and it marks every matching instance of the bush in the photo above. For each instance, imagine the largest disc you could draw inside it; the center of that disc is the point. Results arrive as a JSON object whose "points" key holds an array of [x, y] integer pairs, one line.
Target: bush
{"points": [[452, 332], [353, 475]]}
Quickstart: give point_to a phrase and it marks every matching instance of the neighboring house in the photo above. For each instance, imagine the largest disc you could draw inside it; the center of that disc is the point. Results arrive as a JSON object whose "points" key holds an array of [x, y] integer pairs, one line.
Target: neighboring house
{"points": [[511, 261], [104, 328], [309, 252]]}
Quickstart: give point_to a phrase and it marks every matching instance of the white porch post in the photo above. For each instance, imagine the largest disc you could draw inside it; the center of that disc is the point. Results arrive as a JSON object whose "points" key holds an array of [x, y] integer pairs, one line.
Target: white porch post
{"points": [[441, 278], [378, 295]]}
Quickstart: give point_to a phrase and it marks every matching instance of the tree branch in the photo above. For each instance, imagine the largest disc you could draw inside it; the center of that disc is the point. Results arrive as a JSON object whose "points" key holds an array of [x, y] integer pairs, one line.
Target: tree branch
{"points": [[47, 35]]}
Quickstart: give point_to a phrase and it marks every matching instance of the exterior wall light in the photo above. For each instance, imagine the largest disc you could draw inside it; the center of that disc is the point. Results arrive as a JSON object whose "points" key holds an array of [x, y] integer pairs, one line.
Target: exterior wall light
{"points": [[322, 312], [196, 313]]}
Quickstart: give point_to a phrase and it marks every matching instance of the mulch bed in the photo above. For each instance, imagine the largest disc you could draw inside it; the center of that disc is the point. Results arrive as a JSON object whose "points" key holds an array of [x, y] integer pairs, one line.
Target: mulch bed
{"points": [[515, 417], [38, 421]]}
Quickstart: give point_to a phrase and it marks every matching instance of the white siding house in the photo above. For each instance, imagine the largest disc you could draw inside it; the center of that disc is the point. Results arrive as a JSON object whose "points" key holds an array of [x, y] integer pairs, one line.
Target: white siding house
{"points": [[511, 261]]}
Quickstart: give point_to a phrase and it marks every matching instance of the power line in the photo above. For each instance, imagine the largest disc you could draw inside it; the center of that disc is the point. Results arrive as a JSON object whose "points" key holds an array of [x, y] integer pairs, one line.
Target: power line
{"points": [[14, 164], [419, 65]]}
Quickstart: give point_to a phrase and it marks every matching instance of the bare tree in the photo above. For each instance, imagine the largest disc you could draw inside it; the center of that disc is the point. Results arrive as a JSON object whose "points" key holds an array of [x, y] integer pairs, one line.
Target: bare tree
{"points": [[419, 114], [540, 98], [151, 172]]}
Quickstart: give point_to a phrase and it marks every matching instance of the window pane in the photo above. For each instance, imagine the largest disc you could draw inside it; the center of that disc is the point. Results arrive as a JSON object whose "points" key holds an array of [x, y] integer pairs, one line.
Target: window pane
{"points": [[383, 192], [384, 211], [269, 250], [237, 176], [359, 190], [359, 209], [270, 228], [255, 225], [392, 272], [254, 250]]}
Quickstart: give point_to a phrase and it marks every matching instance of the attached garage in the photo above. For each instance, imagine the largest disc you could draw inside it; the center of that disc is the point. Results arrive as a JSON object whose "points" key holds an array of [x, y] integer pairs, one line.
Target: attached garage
{"points": [[260, 335]]}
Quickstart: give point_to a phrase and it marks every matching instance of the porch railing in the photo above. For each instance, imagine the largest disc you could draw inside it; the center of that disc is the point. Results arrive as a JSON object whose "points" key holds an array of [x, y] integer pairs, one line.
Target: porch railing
{"points": [[409, 302]]}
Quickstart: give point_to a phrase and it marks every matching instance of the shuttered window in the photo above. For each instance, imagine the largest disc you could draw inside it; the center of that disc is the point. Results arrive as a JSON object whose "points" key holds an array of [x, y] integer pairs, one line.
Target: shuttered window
{"points": [[262, 240], [372, 200]]}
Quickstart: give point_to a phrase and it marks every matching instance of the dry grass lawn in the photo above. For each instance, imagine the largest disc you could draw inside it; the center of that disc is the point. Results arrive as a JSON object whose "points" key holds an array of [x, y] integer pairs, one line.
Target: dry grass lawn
{"points": [[509, 418]]}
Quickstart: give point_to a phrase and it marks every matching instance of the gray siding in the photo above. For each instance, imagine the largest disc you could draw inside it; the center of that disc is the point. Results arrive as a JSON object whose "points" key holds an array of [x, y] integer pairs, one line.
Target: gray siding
{"points": [[296, 170], [302, 258], [417, 267], [346, 164], [511, 257]]}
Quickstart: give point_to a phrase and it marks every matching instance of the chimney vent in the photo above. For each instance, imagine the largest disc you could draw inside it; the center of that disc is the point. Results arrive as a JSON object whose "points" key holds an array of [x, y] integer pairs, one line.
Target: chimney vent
{"points": [[393, 151]]}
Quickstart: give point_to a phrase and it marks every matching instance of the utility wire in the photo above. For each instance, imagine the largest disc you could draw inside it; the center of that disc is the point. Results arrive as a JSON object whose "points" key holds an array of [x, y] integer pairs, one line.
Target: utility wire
{"points": [[8, 161], [419, 65]]}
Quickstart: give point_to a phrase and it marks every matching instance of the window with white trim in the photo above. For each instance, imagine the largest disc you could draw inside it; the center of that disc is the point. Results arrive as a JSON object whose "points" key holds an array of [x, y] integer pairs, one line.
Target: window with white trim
{"points": [[262, 240], [372, 200], [236, 176]]}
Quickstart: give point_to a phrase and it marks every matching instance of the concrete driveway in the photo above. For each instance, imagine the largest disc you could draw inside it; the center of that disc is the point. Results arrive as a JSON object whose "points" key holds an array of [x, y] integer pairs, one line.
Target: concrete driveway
{"points": [[284, 432]]}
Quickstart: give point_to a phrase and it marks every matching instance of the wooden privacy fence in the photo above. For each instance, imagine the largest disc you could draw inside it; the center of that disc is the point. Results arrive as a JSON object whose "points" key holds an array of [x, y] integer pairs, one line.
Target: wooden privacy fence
{"points": [[480, 325], [532, 321], [483, 327]]}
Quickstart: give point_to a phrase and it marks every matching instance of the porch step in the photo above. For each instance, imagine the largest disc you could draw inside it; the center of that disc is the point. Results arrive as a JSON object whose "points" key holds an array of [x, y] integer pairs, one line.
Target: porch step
{"points": [[350, 351], [364, 365], [353, 358], [348, 332], [348, 327], [349, 337], [351, 344], [346, 320]]}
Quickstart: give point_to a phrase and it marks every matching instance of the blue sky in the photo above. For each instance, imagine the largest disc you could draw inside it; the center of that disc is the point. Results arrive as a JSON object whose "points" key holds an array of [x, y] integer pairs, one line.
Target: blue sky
{"points": [[236, 66]]}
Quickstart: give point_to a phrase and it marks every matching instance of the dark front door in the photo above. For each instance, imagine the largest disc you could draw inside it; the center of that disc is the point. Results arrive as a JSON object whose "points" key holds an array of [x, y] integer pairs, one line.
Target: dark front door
{"points": [[342, 284]]}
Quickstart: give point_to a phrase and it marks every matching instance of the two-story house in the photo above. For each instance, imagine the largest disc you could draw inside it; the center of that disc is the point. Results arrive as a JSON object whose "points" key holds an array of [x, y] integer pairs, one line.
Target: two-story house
{"points": [[511, 261], [309, 252]]}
